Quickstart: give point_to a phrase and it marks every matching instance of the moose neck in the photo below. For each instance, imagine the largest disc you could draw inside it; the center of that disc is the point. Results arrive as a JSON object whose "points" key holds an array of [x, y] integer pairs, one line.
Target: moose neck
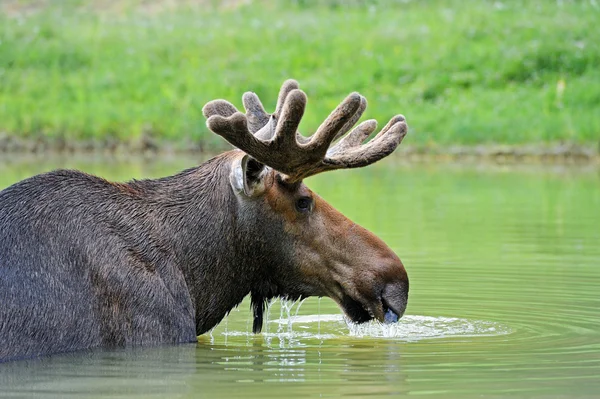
{"points": [[198, 214]]}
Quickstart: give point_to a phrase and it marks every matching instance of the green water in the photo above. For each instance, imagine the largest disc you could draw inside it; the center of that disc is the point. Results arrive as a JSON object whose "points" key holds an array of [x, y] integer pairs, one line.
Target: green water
{"points": [[504, 265]]}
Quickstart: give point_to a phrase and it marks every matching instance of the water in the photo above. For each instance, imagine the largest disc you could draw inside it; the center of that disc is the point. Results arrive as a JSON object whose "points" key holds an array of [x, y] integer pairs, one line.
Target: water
{"points": [[504, 265]]}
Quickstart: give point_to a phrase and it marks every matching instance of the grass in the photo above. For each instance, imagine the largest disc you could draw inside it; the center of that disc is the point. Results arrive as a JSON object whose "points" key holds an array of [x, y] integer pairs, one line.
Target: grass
{"points": [[463, 72]]}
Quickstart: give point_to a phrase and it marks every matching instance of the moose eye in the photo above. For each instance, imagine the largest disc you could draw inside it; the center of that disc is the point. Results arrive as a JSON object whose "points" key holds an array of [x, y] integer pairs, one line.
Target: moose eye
{"points": [[304, 204]]}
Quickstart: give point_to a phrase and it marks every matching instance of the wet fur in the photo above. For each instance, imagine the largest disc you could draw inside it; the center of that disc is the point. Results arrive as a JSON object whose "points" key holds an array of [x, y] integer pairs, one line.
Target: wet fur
{"points": [[87, 263]]}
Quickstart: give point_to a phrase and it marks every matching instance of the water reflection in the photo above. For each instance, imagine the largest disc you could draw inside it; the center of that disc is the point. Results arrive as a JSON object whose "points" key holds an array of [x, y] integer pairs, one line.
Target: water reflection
{"points": [[211, 370], [145, 372], [338, 366]]}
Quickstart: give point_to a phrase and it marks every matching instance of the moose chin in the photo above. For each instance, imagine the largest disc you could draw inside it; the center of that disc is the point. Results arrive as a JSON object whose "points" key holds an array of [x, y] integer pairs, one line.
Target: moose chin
{"points": [[88, 263]]}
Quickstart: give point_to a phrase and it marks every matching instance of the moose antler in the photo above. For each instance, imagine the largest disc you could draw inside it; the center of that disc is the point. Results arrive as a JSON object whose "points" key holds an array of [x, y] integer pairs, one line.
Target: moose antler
{"points": [[275, 141]]}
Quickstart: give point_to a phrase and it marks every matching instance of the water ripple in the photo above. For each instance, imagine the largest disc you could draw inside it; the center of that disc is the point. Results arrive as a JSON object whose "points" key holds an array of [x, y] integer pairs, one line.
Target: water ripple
{"points": [[410, 328]]}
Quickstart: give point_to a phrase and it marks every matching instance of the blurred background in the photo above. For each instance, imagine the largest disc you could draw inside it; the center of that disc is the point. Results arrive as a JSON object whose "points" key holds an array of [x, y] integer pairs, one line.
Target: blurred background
{"points": [[472, 77], [502, 256]]}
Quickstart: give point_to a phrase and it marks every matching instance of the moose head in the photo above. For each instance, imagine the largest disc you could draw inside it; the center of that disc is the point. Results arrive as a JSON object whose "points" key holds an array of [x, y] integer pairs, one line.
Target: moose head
{"points": [[320, 251]]}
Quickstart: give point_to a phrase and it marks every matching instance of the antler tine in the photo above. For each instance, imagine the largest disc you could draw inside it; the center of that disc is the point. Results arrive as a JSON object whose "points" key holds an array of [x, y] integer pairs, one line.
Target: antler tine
{"points": [[330, 128], [354, 138], [255, 112], [234, 129], [395, 120], [351, 153], [286, 88], [218, 107], [360, 134], [290, 114], [352, 121]]}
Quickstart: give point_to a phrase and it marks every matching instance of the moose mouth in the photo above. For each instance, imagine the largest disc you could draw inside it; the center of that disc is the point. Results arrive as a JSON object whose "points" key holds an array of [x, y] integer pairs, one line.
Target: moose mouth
{"points": [[361, 314]]}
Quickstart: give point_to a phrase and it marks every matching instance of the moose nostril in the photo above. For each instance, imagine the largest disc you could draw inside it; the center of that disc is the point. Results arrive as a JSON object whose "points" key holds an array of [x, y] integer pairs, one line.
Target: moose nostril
{"points": [[395, 299]]}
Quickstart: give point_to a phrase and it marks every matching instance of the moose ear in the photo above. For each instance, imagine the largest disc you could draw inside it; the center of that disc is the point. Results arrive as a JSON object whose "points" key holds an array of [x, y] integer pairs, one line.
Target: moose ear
{"points": [[247, 176]]}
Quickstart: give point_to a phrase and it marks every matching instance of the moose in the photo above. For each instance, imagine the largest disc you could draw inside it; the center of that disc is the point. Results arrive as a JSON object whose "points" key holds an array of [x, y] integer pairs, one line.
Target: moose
{"points": [[87, 263]]}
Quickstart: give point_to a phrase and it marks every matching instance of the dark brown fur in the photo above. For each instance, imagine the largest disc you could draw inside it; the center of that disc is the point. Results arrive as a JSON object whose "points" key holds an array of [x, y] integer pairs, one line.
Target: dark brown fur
{"points": [[87, 263]]}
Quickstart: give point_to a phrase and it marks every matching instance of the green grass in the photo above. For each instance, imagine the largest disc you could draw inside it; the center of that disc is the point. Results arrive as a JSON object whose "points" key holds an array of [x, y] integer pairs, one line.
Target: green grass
{"points": [[463, 72]]}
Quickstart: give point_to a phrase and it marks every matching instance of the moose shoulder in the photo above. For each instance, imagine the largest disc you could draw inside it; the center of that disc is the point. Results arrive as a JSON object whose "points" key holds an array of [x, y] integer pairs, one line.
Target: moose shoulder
{"points": [[88, 263]]}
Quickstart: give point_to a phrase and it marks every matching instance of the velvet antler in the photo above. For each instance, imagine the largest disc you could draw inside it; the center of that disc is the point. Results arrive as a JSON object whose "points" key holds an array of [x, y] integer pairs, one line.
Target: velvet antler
{"points": [[275, 141]]}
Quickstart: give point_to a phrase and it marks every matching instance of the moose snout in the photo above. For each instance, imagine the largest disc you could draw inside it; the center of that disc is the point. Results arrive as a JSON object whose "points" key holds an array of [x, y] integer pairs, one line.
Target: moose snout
{"points": [[394, 299], [394, 292]]}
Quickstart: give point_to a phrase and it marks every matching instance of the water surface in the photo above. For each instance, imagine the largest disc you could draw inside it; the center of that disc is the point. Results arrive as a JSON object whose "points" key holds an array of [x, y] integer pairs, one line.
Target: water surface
{"points": [[504, 265]]}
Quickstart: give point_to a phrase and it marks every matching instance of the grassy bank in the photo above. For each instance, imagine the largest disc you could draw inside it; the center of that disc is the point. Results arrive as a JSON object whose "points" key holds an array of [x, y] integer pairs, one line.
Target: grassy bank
{"points": [[463, 72]]}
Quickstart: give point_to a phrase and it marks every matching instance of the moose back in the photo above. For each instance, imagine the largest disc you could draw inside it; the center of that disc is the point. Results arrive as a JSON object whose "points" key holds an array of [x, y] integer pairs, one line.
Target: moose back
{"points": [[87, 263]]}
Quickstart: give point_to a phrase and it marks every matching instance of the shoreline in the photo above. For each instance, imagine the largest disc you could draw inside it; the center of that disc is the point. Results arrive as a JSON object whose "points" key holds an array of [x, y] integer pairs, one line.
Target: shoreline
{"points": [[560, 153]]}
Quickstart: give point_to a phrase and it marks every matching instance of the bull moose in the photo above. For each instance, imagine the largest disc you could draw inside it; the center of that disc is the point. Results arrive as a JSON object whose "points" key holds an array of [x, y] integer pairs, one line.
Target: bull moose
{"points": [[88, 263]]}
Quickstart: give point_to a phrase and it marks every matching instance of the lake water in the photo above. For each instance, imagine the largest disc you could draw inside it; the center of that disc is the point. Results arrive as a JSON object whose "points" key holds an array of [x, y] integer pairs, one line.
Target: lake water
{"points": [[504, 267]]}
